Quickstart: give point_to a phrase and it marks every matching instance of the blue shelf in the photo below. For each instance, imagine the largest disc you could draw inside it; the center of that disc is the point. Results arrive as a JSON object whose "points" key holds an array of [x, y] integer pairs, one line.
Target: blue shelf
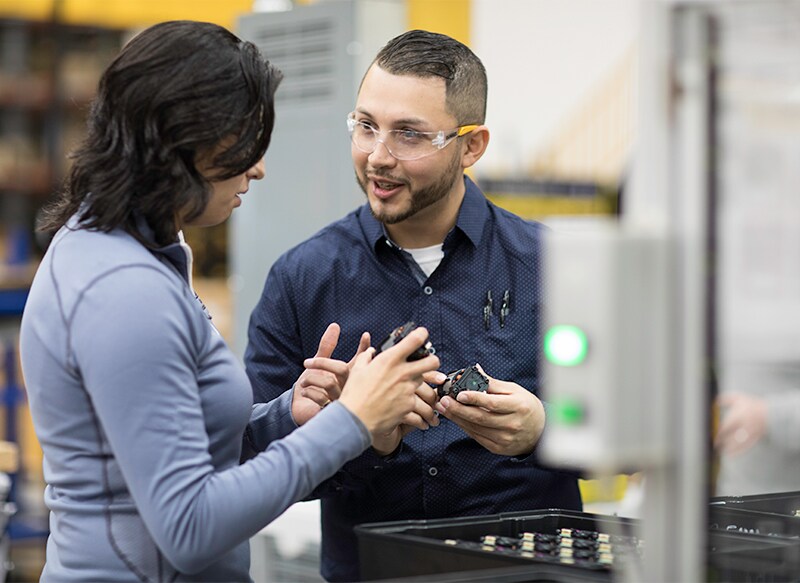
{"points": [[12, 301]]}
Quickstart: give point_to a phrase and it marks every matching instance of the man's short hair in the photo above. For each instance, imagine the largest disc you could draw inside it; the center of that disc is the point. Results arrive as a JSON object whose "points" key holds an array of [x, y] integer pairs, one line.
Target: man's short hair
{"points": [[428, 54]]}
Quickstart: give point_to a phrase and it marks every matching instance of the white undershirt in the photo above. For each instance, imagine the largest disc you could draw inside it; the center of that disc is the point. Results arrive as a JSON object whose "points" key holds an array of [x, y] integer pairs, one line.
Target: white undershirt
{"points": [[428, 258]]}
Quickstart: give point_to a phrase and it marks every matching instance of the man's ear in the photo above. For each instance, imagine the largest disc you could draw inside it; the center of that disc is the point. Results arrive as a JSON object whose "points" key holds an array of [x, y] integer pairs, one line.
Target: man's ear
{"points": [[476, 142]]}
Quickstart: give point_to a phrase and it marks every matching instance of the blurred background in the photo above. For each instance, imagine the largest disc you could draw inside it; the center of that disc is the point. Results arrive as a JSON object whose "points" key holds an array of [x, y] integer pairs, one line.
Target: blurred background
{"points": [[561, 111], [565, 81]]}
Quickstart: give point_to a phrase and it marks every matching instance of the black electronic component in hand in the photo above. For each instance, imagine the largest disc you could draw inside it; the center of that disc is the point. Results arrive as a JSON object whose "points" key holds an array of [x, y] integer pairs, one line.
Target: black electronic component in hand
{"points": [[465, 379], [398, 334]]}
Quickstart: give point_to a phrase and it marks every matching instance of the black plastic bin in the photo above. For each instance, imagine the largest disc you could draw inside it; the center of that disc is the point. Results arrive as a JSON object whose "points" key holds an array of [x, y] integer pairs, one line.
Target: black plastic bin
{"points": [[773, 515], [738, 557], [738, 519], [394, 550], [536, 573], [413, 551], [785, 504], [768, 545]]}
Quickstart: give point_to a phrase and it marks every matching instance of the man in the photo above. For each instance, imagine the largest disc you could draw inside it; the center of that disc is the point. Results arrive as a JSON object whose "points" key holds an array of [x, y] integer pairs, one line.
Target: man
{"points": [[427, 247]]}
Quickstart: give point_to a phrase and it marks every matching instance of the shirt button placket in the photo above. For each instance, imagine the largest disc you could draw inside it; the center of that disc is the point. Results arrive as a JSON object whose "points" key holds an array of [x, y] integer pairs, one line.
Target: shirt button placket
{"points": [[428, 308]]}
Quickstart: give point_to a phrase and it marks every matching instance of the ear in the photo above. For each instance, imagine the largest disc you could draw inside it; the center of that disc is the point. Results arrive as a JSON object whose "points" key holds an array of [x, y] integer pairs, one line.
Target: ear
{"points": [[475, 145]]}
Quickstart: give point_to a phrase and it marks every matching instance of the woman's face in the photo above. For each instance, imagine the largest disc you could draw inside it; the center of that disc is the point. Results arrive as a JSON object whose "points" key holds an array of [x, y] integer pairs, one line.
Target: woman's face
{"points": [[225, 194]]}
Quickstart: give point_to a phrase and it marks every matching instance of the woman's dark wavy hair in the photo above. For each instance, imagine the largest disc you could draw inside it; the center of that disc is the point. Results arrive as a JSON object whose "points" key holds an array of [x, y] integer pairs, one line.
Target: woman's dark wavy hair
{"points": [[176, 91]]}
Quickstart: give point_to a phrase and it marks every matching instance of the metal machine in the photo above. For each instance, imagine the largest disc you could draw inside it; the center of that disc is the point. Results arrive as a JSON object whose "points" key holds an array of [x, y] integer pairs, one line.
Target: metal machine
{"points": [[323, 50], [649, 318]]}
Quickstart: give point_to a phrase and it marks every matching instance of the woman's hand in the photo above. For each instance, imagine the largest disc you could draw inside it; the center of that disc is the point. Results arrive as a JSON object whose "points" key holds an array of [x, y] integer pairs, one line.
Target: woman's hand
{"points": [[422, 417], [382, 391]]}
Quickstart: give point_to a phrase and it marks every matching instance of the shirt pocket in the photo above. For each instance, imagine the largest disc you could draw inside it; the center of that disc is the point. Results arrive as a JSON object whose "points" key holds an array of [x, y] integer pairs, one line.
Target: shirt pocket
{"points": [[507, 342]]}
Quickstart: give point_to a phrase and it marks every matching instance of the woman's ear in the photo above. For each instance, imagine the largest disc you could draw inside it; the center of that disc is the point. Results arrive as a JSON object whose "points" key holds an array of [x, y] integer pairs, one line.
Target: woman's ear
{"points": [[476, 142]]}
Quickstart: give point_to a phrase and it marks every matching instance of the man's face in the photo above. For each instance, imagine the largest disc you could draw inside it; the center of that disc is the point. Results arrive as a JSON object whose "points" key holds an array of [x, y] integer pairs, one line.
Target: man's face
{"points": [[400, 189]]}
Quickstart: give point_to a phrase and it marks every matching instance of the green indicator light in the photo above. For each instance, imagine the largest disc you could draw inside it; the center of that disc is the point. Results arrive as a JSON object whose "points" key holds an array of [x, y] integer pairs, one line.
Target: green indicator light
{"points": [[565, 345], [566, 412]]}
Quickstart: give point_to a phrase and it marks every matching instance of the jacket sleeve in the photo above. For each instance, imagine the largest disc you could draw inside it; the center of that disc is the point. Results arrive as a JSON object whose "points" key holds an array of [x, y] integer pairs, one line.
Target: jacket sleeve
{"points": [[139, 366]]}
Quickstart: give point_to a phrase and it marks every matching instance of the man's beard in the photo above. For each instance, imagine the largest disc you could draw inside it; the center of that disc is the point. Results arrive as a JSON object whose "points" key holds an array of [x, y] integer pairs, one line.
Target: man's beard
{"points": [[420, 199]]}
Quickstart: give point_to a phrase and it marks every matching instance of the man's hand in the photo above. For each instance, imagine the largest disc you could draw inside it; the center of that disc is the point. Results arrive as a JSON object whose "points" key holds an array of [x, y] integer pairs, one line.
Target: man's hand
{"points": [[506, 420], [322, 382]]}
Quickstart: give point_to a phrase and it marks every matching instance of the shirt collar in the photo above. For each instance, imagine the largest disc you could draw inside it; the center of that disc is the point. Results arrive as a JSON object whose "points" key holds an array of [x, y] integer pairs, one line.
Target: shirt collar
{"points": [[472, 217]]}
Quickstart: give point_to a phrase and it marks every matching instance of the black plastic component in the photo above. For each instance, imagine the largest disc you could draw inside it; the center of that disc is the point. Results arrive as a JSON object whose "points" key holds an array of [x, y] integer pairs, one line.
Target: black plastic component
{"points": [[465, 379], [398, 334]]}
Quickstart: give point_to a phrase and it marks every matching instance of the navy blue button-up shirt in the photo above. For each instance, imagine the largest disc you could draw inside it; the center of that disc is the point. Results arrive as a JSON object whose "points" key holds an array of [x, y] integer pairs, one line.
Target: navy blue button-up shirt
{"points": [[350, 273]]}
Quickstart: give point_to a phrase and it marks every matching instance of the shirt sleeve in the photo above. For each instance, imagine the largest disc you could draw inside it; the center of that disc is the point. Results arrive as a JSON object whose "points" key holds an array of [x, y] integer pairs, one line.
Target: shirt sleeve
{"points": [[136, 341], [273, 349]]}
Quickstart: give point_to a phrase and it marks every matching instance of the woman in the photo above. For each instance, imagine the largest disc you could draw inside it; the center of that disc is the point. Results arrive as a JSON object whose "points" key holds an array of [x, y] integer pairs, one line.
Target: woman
{"points": [[137, 402]]}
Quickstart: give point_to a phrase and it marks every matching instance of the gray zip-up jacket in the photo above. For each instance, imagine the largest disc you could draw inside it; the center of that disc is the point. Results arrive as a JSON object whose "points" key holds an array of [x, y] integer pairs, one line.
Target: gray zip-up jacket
{"points": [[140, 409]]}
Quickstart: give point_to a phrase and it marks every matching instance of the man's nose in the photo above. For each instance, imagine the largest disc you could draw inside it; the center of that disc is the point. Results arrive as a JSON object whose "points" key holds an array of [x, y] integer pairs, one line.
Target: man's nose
{"points": [[381, 156]]}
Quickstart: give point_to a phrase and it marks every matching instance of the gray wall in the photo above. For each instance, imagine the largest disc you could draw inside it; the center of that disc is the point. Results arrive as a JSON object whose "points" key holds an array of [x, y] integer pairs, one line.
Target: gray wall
{"points": [[323, 50]]}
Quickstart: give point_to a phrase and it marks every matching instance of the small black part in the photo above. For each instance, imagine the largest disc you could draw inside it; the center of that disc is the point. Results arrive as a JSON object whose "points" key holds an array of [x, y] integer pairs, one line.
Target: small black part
{"points": [[506, 541], [584, 534], [398, 334], [465, 379]]}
